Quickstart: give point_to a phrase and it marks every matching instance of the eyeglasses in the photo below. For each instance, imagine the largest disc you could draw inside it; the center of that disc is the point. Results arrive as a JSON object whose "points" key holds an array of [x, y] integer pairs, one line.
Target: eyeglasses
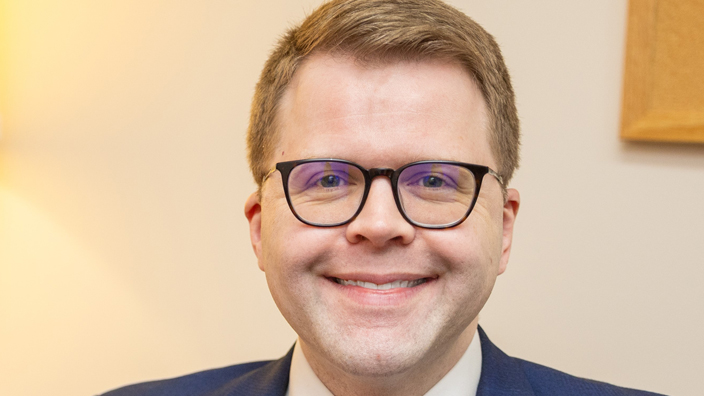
{"points": [[429, 194]]}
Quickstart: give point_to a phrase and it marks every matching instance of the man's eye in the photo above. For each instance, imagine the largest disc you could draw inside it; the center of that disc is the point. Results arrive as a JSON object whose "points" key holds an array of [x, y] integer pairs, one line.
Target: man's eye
{"points": [[329, 181], [432, 182]]}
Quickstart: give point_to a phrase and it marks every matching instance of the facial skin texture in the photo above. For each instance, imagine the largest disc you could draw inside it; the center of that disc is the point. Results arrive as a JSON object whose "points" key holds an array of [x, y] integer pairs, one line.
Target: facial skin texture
{"points": [[403, 340]]}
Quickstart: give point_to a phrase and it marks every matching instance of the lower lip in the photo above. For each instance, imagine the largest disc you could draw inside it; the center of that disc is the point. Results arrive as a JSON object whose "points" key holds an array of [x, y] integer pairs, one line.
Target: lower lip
{"points": [[380, 298]]}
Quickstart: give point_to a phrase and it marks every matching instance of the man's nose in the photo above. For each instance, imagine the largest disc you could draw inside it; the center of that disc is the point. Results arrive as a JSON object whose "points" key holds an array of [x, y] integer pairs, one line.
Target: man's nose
{"points": [[380, 221]]}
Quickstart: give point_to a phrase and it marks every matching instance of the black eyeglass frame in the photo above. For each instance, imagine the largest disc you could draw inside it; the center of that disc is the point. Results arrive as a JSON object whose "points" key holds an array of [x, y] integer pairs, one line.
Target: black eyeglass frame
{"points": [[479, 171]]}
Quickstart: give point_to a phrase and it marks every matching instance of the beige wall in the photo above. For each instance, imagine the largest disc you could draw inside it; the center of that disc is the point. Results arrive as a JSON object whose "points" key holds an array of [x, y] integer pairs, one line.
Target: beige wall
{"points": [[124, 253]]}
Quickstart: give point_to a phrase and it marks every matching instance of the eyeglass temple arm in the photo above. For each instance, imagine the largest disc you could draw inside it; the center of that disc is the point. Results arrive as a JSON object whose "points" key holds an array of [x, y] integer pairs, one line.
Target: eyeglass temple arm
{"points": [[501, 181], [491, 172], [268, 174]]}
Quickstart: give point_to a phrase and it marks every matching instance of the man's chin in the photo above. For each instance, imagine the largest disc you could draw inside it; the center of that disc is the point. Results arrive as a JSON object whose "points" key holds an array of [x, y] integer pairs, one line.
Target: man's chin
{"points": [[378, 363], [372, 354]]}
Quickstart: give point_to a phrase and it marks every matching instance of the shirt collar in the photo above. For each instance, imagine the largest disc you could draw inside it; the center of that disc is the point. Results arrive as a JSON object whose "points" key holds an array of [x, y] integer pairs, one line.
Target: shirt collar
{"points": [[302, 380], [461, 380]]}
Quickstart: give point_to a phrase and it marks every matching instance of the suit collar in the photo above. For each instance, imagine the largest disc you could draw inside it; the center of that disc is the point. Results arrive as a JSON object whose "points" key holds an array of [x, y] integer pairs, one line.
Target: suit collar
{"points": [[268, 380], [501, 374]]}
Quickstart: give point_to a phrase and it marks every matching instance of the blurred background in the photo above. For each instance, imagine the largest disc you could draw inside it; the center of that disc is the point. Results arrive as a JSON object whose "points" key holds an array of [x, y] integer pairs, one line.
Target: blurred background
{"points": [[124, 251]]}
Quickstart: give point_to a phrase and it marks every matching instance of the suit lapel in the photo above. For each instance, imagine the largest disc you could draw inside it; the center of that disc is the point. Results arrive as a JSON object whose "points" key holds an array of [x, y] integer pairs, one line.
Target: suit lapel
{"points": [[501, 374], [268, 380]]}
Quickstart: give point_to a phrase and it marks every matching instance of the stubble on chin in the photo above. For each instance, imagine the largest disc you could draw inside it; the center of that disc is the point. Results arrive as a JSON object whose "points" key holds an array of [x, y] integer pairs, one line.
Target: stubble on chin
{"points": [[367, 353]]}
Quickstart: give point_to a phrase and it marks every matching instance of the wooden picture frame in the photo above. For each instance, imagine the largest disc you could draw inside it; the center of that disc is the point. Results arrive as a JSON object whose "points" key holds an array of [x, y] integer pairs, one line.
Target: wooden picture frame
{"points": [[663, 92]]}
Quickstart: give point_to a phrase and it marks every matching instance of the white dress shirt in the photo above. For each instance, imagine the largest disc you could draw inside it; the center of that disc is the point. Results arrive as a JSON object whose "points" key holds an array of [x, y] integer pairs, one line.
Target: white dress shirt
{"points": [[461, 380]]}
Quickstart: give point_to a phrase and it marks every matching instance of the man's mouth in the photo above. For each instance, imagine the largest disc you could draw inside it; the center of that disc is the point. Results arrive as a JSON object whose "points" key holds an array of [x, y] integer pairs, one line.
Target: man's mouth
{"points": [[386, 286]]}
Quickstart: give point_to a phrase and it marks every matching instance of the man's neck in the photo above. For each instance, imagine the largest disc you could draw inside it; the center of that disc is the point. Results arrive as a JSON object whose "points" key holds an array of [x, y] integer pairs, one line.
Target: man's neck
{"points": [[416, 380]]}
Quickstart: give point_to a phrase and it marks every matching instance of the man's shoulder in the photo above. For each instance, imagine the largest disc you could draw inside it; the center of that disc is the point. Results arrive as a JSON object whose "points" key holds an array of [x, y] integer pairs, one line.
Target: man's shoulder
{"points": [[255, 378], [505, 375], [547, 381]]}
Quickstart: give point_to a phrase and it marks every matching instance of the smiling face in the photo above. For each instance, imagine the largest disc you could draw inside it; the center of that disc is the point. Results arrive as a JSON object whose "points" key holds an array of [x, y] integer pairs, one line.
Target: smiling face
{"points": [[433, 282]]}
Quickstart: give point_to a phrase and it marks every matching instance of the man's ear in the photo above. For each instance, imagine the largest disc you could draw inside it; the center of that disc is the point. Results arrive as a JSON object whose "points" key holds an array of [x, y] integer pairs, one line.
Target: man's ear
{"points": [[253, 212], [513, 201]]}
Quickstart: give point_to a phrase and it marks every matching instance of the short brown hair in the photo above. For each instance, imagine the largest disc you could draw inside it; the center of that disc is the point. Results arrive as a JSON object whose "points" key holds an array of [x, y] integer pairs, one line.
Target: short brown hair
{"points": [[387, 30]]}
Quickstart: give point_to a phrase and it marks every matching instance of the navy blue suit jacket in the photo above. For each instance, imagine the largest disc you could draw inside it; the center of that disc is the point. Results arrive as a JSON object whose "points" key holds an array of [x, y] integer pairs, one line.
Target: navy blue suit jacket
{"points": [[501, 375]]}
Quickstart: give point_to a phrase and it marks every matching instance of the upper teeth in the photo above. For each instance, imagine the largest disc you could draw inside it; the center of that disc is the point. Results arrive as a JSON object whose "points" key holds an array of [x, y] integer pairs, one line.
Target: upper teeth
{"points": [[385, 286]]}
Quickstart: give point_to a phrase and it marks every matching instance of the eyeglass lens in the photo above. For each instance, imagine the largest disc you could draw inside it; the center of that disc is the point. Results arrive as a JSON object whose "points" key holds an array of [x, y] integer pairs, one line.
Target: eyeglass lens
{"points": [[434, 194], [329, 192]]}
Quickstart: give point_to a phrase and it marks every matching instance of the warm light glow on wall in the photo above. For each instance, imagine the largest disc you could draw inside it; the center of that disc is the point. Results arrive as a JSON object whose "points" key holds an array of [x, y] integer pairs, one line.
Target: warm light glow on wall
{"points": [[3, 70], [55, 286], [51, 280], [117, 131]]}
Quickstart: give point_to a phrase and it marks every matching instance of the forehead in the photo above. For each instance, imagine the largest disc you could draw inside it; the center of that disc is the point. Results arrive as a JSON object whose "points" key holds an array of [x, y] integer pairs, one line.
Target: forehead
{"points": [[382, 114]]}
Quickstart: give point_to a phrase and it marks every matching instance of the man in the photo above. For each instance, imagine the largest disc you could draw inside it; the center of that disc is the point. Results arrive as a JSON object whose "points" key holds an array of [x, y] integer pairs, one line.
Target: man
{"points": [[383, 136]]}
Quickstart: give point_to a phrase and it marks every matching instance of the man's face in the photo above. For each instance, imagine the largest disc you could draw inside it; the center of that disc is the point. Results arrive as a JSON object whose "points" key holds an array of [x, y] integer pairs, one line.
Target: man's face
{"points": [[382, 116]]}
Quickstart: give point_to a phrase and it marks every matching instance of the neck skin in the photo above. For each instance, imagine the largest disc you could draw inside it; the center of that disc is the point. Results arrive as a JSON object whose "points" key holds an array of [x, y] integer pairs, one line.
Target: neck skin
{"points": [[416, 380]]}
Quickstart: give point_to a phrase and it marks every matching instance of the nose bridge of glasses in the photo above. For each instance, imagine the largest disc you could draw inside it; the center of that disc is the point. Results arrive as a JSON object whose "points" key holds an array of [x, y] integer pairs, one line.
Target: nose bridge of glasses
{"points": [[375, 172]]}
